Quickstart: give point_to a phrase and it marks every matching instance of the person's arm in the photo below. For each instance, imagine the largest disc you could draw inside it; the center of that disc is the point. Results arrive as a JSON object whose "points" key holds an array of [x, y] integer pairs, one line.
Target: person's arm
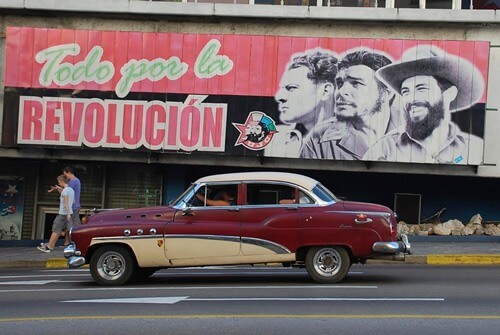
{"points": [[54, 188], [211, 202], [66, 204]]}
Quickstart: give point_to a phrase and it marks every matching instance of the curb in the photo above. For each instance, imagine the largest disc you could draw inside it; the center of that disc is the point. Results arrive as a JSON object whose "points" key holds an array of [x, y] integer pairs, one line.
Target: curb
{"points": [[51, 263], [471, 259], [56, 263], [445, 259]]}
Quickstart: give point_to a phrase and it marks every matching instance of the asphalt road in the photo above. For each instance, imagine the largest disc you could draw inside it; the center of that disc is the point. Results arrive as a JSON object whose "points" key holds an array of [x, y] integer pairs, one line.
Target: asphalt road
{"points": [[409, 299]]}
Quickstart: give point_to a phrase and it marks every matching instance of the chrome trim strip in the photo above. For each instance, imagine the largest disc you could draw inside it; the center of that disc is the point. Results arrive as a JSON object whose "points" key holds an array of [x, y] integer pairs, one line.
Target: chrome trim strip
{"points": [[385, 214], [206, 237], [126, 237], [275, 247]]}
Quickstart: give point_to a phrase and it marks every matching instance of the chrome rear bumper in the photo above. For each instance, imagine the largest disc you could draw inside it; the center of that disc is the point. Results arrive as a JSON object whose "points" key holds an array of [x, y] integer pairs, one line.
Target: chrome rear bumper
{"points": [[402, 246]]}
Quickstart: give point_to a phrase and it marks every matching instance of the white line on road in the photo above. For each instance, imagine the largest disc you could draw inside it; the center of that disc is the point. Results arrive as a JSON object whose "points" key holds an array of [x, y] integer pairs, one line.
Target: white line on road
{"points": [[173, 300], [144, 300], [37, 276], [158, 288], [316, 299], [29, 282], [230, 273]]}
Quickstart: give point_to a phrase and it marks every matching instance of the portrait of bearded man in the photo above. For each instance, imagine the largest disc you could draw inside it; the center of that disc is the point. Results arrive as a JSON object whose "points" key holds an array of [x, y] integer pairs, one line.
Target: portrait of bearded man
{"points": [[432, 85]]}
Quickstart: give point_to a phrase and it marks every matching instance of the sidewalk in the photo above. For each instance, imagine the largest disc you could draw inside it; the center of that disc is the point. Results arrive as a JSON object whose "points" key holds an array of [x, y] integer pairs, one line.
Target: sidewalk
{"points": [[452, 253]]}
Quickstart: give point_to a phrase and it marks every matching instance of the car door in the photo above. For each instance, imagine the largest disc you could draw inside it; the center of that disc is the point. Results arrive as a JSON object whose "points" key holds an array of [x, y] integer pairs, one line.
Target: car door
{"points": [[203, 233], [270, 219]]}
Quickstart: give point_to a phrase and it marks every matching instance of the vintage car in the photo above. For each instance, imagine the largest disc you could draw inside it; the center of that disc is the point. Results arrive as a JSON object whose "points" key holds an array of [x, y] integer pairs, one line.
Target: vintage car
{"points": [[239, 218]]}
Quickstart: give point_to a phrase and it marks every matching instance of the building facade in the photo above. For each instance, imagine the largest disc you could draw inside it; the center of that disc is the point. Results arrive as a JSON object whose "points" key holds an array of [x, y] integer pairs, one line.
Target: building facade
{"points": [[144, 97]]}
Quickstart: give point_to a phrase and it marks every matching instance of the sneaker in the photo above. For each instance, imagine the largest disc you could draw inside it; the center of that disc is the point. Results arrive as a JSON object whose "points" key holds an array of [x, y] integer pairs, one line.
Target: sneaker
{"points": [[44, 248]]}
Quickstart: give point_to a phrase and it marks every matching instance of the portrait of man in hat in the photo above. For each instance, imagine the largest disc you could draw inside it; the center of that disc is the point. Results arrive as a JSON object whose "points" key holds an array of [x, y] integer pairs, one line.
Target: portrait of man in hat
{"points": [[362, 110], [432, 85], [305, 97]]}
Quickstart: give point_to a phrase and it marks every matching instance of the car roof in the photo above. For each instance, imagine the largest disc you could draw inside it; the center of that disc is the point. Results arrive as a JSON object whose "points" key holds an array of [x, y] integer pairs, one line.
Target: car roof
{"points": [[300, 180]]}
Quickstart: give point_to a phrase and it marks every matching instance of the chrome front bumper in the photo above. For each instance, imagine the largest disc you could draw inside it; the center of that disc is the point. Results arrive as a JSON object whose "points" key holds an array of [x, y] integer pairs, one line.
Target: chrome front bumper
{"points": [[397, 247], [75, 260]]}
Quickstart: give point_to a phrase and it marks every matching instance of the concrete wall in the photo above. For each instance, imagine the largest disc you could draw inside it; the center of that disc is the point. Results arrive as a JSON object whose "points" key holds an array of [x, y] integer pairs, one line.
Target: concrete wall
{"points": [[268, 20]]}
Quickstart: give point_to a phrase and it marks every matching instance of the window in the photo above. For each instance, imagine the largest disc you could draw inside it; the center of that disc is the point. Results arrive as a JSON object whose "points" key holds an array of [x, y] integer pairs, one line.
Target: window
{"points": [[213, 195], [270, 194], [323, 193], [304, 198]]}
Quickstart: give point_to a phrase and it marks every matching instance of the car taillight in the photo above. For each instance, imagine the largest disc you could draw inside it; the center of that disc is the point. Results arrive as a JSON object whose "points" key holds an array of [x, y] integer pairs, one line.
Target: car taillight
{"points": [[394, 227]]}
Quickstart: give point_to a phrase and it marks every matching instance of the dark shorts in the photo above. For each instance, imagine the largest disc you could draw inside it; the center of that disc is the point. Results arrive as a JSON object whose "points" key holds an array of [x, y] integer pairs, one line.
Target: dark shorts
{"points": [[60, 222], [75, 217]]}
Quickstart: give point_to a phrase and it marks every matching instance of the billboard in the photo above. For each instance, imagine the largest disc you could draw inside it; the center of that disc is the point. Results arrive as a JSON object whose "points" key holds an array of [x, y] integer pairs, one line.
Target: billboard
{"points": [[392, 100]]}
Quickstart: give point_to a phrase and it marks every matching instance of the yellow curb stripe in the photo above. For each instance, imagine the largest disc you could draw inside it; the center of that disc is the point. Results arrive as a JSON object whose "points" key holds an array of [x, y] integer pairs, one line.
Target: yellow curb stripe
{"points": [[472, 259], [254, 316], [52, 263]]}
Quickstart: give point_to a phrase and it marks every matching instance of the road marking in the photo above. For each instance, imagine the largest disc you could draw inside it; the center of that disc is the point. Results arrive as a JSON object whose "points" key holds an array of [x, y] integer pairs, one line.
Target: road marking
{"points": [[316, 299], [157, 288], [37, 276], [253, 316], [173, 300], [29, 282], [231, 273], [66, 270], [144, 300]]}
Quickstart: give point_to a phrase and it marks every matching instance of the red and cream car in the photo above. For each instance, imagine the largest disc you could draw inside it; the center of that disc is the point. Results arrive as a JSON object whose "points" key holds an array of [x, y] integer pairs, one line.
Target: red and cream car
{"points": [[239, 218]]}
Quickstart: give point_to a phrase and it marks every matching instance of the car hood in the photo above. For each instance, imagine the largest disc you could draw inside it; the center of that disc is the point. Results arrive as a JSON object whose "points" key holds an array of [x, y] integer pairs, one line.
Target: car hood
{"points": [[136, 214], [365, 207]]}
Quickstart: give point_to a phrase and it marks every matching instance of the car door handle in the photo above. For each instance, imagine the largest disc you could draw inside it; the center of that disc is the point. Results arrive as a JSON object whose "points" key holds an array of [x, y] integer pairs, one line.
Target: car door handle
{"points": [[292, 208], [187, 212], [233, 209], [367, 220]]}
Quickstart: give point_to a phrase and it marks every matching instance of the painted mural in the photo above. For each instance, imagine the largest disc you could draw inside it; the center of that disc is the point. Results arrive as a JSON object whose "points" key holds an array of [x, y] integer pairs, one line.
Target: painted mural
{"points": [[11, 207], [415, 101]]}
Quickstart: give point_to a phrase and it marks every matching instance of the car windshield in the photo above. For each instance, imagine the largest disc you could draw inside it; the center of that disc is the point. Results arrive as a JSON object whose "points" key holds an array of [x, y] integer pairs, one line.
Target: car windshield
{"points": [[180, 202], [323, 193]]}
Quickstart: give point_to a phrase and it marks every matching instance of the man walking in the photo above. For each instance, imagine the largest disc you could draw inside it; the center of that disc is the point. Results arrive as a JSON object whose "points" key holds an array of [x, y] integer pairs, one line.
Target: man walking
{"points": [[432, 85], [75, 184], [64, 217], [362, 110]]}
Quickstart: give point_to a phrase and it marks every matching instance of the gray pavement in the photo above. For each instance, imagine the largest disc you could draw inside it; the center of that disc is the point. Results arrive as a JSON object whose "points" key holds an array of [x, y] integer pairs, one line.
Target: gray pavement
{"points": [[470, 253]]}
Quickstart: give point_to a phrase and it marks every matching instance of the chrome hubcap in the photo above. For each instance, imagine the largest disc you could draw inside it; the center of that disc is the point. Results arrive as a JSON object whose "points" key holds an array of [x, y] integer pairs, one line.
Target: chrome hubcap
{"points": [[327, 262], [111, 265]]}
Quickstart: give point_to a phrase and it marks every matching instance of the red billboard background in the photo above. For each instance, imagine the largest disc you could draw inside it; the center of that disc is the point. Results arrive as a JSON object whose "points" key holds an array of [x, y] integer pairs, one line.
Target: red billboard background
{"points": [[188, 92], [258, 60]]}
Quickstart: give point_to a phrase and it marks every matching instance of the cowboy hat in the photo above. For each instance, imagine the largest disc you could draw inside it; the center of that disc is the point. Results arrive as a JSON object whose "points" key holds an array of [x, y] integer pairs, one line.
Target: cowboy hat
{"points": [[429, 60]]}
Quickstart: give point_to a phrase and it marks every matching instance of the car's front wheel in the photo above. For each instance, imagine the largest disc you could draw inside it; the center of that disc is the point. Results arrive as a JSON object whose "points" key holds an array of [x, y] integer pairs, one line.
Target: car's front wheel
{"points": [[112, 265], [327, 265]]}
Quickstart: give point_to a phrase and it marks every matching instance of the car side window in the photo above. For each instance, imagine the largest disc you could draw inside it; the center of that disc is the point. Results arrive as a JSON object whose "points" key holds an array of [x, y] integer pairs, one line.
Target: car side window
{"points": [[270, 194], [215, 195], [304, 198]]}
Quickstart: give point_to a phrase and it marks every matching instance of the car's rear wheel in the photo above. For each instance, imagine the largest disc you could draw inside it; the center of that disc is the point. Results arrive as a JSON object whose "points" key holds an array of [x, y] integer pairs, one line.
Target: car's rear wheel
{"points": [[327, 265], [112, 265]]}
